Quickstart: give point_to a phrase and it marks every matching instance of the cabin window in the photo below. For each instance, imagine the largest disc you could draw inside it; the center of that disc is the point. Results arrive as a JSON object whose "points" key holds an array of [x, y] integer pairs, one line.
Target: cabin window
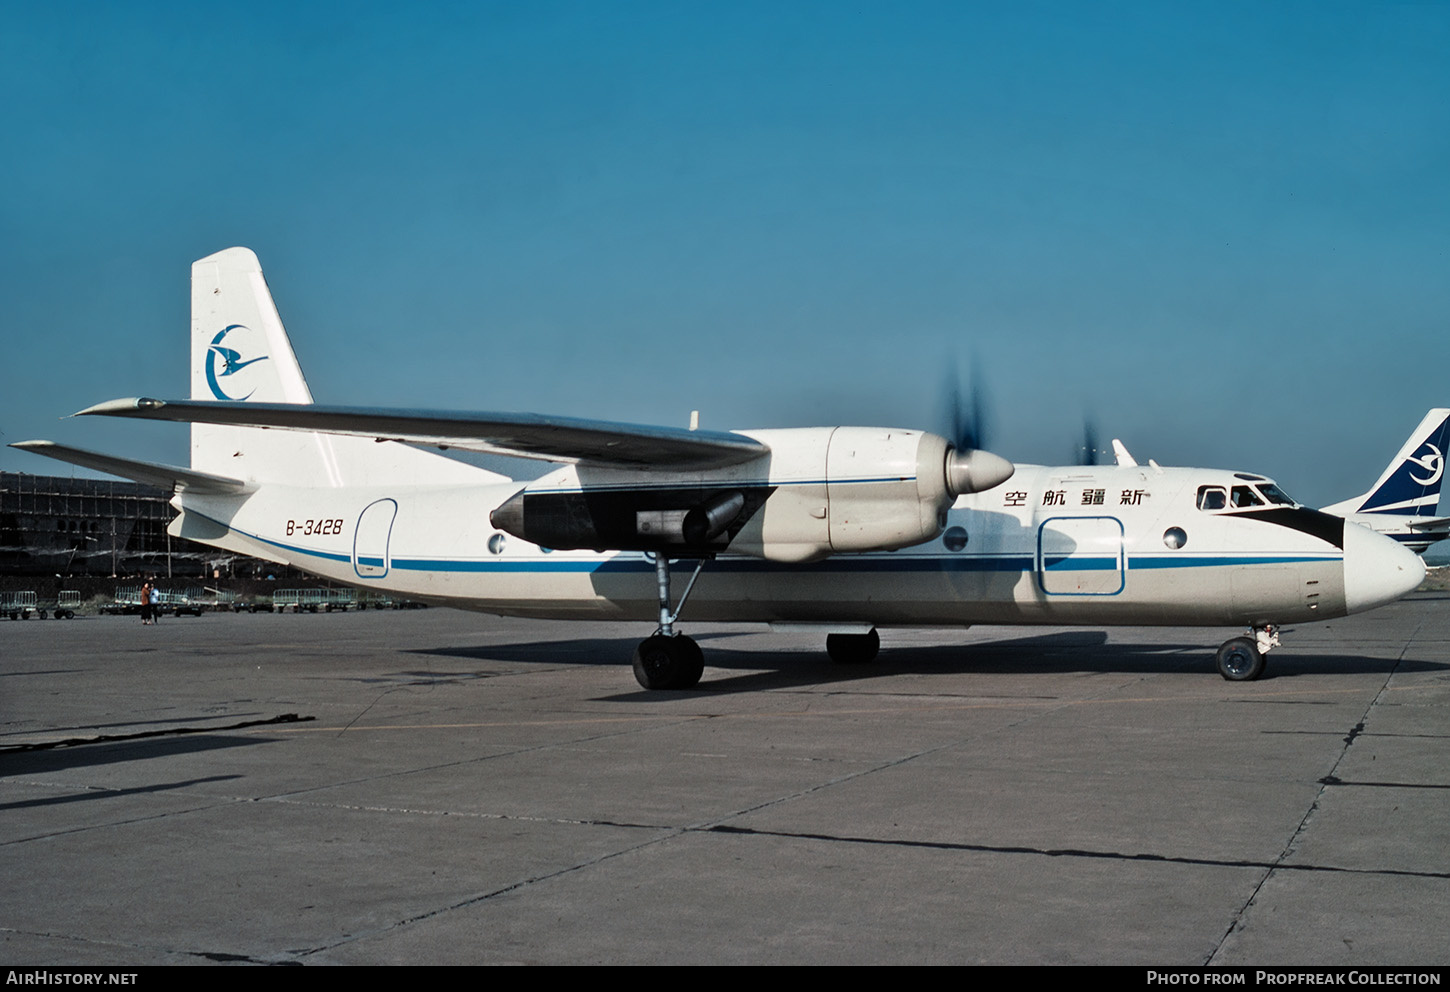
{"points": [[1175, 537], [1212, 497], [496, 543], [955, 539]]}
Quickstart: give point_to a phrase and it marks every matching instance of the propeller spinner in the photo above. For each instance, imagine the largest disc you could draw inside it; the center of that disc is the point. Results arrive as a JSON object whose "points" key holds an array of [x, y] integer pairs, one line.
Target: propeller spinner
{"points": [[974, 471], [969, 469]]}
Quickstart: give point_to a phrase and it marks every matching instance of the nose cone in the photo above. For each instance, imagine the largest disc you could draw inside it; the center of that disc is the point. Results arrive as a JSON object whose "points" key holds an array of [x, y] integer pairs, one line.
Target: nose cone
{"points": [[509, 516], [1377, 570]]}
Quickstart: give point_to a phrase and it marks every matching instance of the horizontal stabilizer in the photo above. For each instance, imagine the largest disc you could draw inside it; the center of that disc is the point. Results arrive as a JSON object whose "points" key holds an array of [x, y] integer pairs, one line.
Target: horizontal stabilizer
{"points": [[523, 435], [150, 473], [1429, 523]]}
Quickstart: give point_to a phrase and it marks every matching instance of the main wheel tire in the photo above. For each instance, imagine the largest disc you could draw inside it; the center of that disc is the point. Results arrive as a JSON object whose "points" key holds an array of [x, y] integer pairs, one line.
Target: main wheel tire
{"points": [[692, 664], [853, 649], [1239, 660], [662, 662]]}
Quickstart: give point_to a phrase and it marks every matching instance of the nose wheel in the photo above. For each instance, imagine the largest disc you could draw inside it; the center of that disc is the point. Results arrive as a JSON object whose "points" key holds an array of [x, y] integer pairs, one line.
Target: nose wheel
{"points": [[1241, 659]]}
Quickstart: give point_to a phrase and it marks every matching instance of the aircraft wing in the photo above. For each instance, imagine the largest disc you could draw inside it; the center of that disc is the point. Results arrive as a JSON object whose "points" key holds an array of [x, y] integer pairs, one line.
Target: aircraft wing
{"points": [[150, 473], [524, 435]]}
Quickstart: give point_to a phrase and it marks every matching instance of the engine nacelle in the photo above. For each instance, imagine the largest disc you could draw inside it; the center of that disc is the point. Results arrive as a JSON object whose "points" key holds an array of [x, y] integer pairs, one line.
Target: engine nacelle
{"points": [[849, 489], [819, 491]]}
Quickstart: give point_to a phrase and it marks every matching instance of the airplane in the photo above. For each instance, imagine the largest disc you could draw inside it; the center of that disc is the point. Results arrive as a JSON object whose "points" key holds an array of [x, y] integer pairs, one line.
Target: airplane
{"points": [[1402, 503], [838, 530]]}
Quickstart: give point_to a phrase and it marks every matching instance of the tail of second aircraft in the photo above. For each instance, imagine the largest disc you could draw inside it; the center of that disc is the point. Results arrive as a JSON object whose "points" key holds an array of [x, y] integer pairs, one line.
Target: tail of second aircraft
{"points": [[1410, 485], [240, 352]]}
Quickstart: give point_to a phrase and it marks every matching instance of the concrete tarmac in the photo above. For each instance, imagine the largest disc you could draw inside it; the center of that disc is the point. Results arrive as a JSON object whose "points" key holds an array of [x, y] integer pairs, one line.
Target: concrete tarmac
{"points": [[468, 789]]}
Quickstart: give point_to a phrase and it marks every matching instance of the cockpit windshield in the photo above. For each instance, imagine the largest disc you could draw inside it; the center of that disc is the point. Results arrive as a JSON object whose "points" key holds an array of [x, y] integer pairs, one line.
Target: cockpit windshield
{"points": [[1275, 495], [1218, 498]]}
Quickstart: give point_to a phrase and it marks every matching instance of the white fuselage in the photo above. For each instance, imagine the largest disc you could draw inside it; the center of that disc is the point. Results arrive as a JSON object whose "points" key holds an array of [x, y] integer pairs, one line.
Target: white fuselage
{"points": [[1096, 545]]}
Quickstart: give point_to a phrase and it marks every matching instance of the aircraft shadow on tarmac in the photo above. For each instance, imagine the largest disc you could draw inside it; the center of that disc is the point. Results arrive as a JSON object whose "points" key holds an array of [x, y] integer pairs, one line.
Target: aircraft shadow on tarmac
{"points": [[111, 794], [58, 759], [1046, 654]]}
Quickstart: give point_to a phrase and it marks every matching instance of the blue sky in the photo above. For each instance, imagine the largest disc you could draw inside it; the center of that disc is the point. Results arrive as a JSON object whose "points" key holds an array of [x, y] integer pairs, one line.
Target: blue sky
{"points": [[1219, 229]]}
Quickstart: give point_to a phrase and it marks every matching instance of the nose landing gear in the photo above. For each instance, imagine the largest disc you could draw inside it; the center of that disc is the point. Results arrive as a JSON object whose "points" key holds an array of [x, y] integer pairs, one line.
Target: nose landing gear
{"points": [[1241, 659]]}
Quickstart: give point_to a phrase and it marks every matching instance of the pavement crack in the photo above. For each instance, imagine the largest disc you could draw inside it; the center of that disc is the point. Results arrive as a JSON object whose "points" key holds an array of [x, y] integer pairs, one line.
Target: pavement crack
{"points": [[1335, 780], [222, 957], [128, 821], [473, 815], [1324, 783], [1064, 852], [494, 893]]}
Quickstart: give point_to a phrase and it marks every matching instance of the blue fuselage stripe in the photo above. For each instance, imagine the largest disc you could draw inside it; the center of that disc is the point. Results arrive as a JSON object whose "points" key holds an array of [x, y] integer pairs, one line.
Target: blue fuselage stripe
{"points": [[841, 565], [873, 564]]}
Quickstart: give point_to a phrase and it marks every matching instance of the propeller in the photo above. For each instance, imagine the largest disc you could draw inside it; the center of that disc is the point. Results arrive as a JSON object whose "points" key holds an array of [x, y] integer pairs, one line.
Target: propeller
{"points": [[966, 416], [1089, 454], [969, 469]]}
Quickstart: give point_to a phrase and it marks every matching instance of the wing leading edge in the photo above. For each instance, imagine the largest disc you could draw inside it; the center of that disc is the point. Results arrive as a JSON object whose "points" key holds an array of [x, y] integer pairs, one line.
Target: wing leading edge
{"points": [[523, 435]]}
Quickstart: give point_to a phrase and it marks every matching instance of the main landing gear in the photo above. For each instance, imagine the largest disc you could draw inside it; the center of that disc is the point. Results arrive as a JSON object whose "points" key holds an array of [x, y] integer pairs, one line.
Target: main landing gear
{"points": [[666, 659], [1241, 659], [853, 649]]}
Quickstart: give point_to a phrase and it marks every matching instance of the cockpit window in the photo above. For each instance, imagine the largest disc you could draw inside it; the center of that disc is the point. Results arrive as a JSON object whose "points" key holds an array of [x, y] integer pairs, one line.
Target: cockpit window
{"points": [[1275, 495], [1242, 497], [1245, 496], [1212, 498]]}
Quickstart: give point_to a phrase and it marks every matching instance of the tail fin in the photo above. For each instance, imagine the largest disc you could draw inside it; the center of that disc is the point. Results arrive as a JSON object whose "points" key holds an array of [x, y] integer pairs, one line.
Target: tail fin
{"points": [[1410, 485], [240, 352]]}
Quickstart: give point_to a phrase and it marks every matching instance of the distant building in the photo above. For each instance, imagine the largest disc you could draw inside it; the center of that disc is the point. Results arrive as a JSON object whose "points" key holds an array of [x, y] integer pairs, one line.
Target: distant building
{"points": [[51, 525]]}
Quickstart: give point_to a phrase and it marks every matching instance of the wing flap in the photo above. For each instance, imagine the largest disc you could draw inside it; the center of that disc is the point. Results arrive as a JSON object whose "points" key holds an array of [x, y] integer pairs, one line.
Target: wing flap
{"points": [[150, 473], [524, 435]]}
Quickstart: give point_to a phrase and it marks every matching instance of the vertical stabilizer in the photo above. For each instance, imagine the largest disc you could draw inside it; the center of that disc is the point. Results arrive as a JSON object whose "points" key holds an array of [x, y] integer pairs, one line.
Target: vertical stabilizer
{"points": [[1410, 485], [240, 352]]}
